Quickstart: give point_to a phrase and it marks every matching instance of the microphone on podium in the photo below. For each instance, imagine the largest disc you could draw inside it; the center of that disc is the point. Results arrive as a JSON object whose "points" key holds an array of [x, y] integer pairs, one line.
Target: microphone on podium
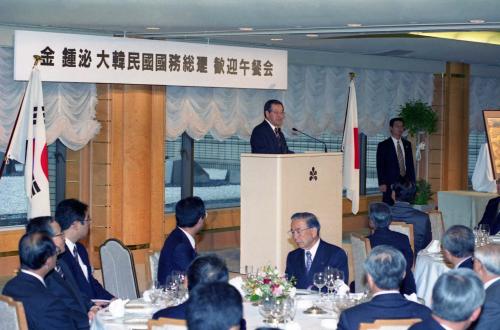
{"points": [[311, 137]]}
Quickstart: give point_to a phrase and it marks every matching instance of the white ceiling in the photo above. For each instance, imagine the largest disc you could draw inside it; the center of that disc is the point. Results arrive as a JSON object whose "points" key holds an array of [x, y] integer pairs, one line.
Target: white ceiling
{"points": [[384, 23]]}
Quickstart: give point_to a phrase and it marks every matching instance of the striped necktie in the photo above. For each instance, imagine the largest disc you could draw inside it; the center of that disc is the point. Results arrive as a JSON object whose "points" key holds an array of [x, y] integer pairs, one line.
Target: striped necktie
{"points": [[401, 159], [309, 260]]}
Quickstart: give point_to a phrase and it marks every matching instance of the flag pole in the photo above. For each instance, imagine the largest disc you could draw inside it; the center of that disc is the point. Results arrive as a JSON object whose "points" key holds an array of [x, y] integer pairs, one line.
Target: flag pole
{"points": [[5, 160], [351, 77]]}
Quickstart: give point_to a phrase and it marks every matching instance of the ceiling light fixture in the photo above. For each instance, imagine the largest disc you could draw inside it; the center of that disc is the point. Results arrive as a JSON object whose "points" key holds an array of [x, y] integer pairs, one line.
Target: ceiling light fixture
{"points": [[246, 29], [154, 28], [354, 25], [311, 35], [477, 21], [276, 39]]}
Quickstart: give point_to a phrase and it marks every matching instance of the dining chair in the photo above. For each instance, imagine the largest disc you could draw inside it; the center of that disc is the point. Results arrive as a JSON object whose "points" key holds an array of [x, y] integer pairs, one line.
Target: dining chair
{"points": [[12, 314], [118, 270], [152, 259], [165, 323], [360, 249], [400, 324], [406, 229], [437, 224]]}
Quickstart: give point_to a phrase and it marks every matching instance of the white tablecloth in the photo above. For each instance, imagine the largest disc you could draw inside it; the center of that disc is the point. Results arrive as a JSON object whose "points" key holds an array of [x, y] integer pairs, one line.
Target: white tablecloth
{"points": [[463, 207], [306, 322], [134, 318], [428, 267]]}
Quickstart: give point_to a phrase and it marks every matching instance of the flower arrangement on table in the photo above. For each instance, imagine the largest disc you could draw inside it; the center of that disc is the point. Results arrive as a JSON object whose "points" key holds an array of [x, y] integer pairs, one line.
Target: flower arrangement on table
{"points": [[268, 282]]}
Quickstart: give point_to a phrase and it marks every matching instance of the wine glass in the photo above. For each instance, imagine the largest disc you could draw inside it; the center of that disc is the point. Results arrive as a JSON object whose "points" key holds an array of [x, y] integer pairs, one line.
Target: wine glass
{"points": [[289, 309], [319, 281], [338, 276]]}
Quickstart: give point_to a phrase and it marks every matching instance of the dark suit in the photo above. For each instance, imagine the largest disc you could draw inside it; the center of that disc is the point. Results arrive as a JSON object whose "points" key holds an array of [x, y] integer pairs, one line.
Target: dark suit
{"points": [[385, 306], [326, 255], [43, 310], [402, 211], [490, 315], [174, 312], [264, 141], [177, 253], [400, 242], [468, 263], [428, 324], [91, 287], [67, 290], [388, 166], [491, 216]]}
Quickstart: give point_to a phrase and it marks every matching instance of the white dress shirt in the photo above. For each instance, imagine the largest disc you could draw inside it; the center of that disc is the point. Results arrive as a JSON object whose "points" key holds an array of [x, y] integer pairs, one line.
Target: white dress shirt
{"points": [[313, 251], [190, 238], [38, 277], [71, 247]]}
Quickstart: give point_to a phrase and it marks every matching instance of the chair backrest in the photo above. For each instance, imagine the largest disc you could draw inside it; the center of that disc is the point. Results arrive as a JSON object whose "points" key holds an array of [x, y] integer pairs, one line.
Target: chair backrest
{"points": [[152, 259], [12, 314], [165, 323], [406, 229], [360, 249], [118, 270], [401, 324], [437, 224]]}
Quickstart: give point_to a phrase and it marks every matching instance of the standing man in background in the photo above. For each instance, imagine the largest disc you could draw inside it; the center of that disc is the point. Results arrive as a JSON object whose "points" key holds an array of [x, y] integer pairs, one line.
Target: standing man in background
{"points": [[267, 137], [394, 160]]}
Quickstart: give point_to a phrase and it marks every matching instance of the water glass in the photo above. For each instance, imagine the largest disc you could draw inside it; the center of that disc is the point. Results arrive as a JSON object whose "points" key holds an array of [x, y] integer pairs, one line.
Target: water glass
{"points": [[319, 281]]}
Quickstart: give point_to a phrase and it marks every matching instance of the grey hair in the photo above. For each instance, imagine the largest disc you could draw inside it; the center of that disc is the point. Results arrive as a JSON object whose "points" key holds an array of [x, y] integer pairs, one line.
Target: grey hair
{"points": [[457, 294], [489, 256], [459, 241], [380, 215], [386, 266], [311, 220]]}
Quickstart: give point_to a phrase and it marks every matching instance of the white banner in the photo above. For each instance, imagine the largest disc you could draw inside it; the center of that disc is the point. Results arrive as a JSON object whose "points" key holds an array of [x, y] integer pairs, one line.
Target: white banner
{"points": [[95, 59]]}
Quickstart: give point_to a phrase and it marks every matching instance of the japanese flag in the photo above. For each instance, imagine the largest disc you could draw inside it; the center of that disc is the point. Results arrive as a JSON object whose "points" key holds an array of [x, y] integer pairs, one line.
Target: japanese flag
{"points": [[29, 146], [350, 146]]}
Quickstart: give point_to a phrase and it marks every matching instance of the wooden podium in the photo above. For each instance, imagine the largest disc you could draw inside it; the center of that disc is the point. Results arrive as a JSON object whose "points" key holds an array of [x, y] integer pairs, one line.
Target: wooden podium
{"points": [[273, 187]]}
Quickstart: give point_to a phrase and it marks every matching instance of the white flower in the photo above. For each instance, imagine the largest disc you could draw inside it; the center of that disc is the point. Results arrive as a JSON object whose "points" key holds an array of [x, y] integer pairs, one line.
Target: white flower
{"points": [[258, 292], [292, 291]]}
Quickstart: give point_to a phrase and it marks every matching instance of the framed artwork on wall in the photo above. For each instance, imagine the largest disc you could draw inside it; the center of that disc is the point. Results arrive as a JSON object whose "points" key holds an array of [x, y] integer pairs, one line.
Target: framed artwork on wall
{"points": [[492, 128]]}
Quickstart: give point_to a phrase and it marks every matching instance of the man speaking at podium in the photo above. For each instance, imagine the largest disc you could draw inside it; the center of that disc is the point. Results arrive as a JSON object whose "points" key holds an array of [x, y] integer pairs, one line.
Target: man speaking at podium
{"points": [[267, 137]]}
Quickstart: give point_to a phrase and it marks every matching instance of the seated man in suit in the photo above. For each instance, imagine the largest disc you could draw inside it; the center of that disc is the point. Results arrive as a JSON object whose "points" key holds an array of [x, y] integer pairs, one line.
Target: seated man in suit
{"points": [[380, 219], [385, 269], [179, 248], [403, 192], [313, 254], [73, 217], [60, 281], [267, 137], [394, 160], [491, 215], [487, 266], [38, 256], [205, 269], [457, 297], [214, 306], [458, 246]]}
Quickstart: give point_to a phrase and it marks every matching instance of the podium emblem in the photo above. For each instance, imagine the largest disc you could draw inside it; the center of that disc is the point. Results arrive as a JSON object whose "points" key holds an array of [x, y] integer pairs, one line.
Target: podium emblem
{"points": [[313, 174]]}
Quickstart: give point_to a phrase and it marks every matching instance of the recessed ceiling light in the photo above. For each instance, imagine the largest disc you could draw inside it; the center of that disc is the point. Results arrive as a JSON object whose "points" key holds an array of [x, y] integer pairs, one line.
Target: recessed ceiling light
{"points": [[477, 21], [276, 39], [155, 28], [311, 35], [354, 25], [246, 29]]}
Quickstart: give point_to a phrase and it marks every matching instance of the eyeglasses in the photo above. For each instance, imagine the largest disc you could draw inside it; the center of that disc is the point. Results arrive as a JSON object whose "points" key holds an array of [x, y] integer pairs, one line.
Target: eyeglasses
{"points": [[61, 234], [279, 112], [298, 231]]}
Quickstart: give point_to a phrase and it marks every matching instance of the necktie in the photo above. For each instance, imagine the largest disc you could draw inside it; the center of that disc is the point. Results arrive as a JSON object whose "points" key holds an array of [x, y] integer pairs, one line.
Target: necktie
{"points": [[401, 160], [309, 260], [75, 254], [59, 270], [277, 132]]}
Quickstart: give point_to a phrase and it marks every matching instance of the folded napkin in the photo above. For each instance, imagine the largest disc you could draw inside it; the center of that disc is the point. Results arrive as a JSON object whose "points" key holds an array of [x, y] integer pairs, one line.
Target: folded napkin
{"points": [[433, 247], [117, 307], [341, 288], [147, 296], [237, 282]]}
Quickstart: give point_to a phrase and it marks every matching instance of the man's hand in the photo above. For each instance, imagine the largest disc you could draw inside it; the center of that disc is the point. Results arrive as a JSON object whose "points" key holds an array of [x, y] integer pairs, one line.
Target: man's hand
{"points": [[93, 311], [383, 188]]}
